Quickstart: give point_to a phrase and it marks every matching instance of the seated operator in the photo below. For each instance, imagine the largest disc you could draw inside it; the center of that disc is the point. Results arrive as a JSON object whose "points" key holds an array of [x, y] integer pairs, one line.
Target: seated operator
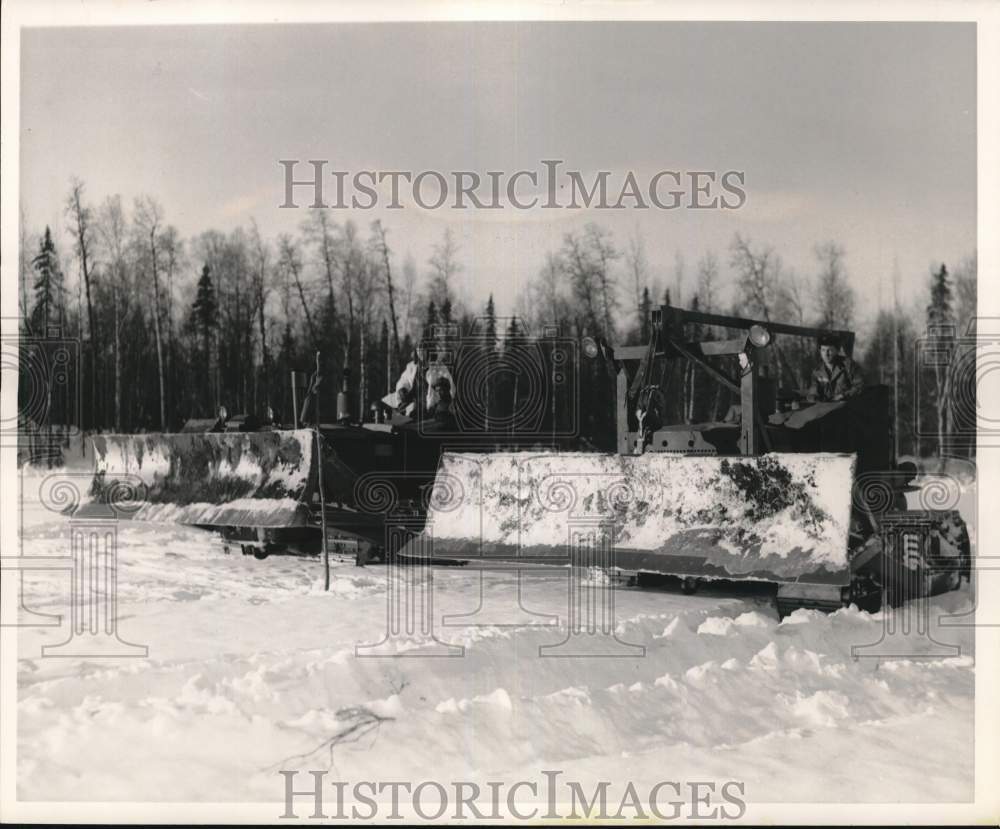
{"points": [[221, 422], [436, 379], [837, 377], [404, 399]]}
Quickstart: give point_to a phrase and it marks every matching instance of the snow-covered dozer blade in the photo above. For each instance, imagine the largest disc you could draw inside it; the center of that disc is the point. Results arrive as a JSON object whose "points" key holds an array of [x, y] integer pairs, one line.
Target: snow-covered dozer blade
{"points": [[244, 479], [776, 517]]}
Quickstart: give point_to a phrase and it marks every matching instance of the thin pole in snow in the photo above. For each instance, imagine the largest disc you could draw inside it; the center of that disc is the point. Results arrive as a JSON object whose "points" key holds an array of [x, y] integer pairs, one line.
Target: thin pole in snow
{"points": [[319, 476], [895, 360]]}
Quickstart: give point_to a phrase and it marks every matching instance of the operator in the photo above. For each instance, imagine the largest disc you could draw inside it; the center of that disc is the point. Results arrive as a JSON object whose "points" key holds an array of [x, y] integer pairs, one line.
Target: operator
{"points": [[221, 421], [837, 377], [437, 380], [440, 388], [404, 399]]}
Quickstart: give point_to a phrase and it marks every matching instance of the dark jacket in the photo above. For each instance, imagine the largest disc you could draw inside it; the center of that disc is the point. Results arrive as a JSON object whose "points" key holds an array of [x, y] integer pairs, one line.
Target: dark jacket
{"points": [[842, 380]]}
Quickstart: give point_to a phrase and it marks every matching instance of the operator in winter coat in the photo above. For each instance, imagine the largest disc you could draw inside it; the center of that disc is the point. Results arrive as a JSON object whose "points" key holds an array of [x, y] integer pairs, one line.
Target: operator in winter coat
{"points": [[437, 381], [404, 399], [837, 377]]}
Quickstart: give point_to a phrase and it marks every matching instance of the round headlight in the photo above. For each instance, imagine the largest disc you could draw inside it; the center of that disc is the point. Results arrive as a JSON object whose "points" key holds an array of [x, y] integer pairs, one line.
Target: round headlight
{"points": [[590, 347], [759, 336]]}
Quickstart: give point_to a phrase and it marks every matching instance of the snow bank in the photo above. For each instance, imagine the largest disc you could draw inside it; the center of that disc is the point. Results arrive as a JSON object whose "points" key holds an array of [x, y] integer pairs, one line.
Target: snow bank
{"points": [[253, 668]]}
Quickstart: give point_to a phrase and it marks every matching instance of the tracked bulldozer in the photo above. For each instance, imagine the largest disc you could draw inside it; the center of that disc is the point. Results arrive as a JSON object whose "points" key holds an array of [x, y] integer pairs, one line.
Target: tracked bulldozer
{"points": [[273, 490], [810, 499]]}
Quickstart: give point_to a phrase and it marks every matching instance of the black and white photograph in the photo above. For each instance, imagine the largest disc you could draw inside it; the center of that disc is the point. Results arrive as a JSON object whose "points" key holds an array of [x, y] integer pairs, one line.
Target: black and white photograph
{"points": [[482, 414]]}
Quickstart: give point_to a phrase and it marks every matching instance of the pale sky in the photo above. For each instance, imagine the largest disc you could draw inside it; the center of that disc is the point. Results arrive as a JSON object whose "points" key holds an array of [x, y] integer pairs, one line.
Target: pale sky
{"points": [[860, 133]]}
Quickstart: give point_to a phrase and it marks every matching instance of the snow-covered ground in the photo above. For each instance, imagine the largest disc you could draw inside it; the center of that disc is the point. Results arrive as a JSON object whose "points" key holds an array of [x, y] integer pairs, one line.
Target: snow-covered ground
{"points": [[252, 668]]}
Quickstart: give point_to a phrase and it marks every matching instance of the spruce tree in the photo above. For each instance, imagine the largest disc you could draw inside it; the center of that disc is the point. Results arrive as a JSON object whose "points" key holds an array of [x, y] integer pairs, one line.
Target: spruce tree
{"points": [[645, 309], [48, 286], [941, 336], [490, 346], [206, 316], [939, 311], [491, 321]]}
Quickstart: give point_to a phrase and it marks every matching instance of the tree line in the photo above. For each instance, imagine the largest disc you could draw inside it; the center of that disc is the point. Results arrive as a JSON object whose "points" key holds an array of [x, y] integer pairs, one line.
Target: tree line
{"points": [[172, 328]]}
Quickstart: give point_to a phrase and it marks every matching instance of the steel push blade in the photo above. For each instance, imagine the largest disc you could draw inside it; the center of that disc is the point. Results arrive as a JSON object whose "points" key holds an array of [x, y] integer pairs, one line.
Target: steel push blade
{"points": [[776, 517], [261, 479]]}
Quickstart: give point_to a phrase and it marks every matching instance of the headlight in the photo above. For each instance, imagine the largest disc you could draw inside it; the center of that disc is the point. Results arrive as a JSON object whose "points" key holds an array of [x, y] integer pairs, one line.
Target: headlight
{"points": [[759, 336], [590, 347]]}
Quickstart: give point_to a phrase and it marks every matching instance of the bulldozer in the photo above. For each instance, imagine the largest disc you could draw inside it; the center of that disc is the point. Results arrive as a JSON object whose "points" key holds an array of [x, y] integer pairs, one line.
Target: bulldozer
{"points": [[274, 489], [807, 498], [810, 499]]}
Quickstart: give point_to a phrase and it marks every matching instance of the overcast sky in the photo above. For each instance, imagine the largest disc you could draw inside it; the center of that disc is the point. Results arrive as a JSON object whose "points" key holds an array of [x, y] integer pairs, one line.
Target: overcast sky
{"points": [[860, 133]]}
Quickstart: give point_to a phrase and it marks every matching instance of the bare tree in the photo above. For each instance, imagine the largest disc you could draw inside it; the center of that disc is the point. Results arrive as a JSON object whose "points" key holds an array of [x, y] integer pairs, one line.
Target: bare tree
{"points": [[966, 280], [351, 263], [260, 256], [113, 229], [758, 274], [760, 286], [25, 244], [291, 263], [382, 249], [834, 294], [444, 267], [409, 291], [173, 261], [579, 267], [549, 296], [679, 267], [81, 227], [604, 253], [148, 218], [792, 297], [366, 281], [638, 267], [321, 231], [708, 281]]}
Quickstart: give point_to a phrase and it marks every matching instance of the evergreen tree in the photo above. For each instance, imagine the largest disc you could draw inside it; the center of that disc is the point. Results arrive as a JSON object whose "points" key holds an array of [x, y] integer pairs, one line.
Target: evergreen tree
{"points": [[645, 309], [834, 294], [491, 321], [490, 346], [48, 286], [939, 311], [941, 340], [513, 329], [205, 312]]}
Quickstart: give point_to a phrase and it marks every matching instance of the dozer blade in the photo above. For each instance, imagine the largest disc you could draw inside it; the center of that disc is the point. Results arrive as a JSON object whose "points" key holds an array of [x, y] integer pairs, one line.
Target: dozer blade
{"points": [[778, 517], [247, 479]]}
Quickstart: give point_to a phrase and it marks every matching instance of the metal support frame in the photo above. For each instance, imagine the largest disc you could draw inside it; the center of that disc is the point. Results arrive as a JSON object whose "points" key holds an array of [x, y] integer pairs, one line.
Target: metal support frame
{"points": [[669, 322]]}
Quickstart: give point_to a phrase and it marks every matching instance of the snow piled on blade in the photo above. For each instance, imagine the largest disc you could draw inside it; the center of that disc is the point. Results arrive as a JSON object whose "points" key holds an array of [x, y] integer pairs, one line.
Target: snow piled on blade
{"points": [[779, 517], [233, 478]]}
